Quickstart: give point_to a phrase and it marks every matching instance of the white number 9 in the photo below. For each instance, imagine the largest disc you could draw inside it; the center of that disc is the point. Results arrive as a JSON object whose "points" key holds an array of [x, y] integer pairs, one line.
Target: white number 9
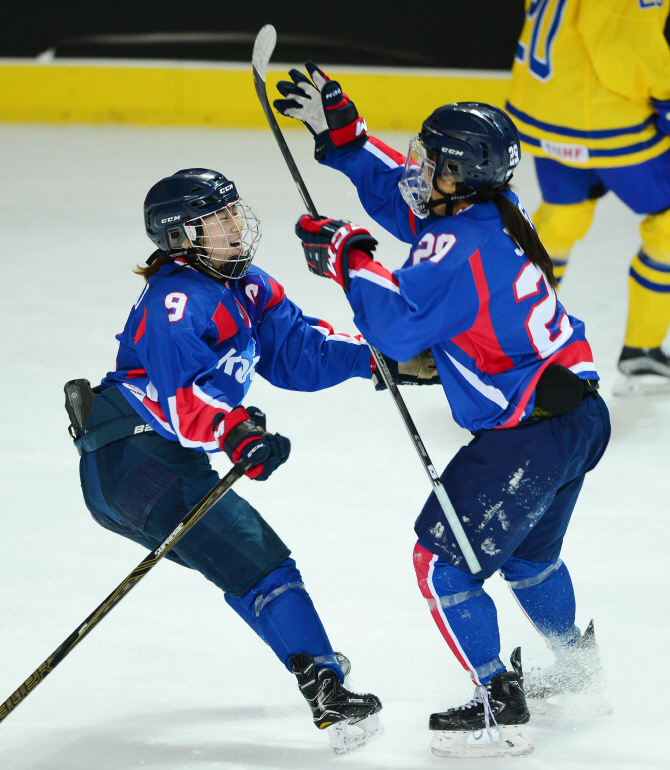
{"points": [[176, 304]]}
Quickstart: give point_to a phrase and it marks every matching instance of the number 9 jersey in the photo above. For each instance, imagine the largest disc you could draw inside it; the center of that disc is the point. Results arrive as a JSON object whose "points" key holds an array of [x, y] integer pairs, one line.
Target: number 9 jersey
{"points": [[467, 292], [192, 345]]}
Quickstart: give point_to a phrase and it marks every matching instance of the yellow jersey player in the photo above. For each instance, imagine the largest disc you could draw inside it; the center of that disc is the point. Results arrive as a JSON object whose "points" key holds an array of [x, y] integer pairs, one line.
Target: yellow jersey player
{"points": [[590, 94]]}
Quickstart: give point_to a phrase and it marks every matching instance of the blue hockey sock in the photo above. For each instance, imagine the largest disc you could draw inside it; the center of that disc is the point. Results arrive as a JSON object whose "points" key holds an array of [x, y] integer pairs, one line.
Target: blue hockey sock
{"points": [[544, 591], [280, 611], [464, 613]]}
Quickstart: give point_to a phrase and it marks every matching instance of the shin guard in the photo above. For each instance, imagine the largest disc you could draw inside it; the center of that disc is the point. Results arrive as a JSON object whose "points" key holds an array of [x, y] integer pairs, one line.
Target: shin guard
{"points": [[280, 611], [463, 612], [545, 594]]}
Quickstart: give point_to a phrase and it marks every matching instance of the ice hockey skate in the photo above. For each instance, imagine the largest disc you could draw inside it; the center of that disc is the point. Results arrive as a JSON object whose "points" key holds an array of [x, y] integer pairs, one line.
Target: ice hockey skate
{"points": [[644, 371], [351, 719], [491, 724]]}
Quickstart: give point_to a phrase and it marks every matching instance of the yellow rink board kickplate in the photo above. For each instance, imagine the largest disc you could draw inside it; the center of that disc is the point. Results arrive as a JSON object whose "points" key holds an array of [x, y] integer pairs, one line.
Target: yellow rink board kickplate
{"points": [[206, 94]]}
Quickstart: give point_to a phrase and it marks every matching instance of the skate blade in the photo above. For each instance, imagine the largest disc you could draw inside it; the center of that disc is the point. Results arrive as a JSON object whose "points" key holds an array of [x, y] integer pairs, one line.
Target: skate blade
{"points": [[345, 737], [641, 385], [508, 741]]}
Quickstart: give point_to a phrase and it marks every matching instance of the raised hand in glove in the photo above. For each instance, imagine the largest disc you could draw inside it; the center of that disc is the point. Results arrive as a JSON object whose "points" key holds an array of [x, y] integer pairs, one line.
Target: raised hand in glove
{"points": [[323, 107], [241, 434], [420, 370], [326, 243]]}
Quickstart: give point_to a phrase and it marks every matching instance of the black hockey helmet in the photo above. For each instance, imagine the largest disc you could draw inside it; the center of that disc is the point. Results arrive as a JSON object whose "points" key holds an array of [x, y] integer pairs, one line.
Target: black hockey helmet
{"points": [[175, 210], [476, 144]]}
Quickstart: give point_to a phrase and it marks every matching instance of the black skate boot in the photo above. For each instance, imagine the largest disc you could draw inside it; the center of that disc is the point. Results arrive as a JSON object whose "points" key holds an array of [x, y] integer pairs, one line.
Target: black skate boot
{"points": [[335, 707], [645, 371], [577, 670], [490, 724]]}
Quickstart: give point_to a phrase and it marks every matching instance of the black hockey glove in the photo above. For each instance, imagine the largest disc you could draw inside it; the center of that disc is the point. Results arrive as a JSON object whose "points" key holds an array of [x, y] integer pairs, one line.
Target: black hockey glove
{"points": [[241, 434], [420, 370], [326, 243], [324, 108]]}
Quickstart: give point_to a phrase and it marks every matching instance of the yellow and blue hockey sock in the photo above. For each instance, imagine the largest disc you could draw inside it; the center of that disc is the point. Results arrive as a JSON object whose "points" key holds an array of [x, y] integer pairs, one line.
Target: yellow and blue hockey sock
{"points": [[649, 285]]}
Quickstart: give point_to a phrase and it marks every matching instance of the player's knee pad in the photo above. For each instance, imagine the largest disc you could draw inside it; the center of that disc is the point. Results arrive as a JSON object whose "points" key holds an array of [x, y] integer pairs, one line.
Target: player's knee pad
{"points": [[655, 233], [520, 573], [283, 578], [437, 578], [559, 226]]}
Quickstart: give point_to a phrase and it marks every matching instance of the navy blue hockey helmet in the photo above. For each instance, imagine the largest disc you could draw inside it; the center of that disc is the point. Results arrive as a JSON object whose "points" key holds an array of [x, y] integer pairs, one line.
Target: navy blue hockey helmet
{"points": [[475, 144], [197, 214]]}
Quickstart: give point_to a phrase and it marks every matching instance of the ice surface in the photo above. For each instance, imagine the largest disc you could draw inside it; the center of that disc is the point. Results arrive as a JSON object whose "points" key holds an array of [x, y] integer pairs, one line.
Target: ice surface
{"points": [[172, 678]]}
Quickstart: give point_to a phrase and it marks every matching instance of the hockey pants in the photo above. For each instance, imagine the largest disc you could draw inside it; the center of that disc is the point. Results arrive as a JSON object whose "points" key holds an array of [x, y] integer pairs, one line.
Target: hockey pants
{"points": [[514, 490], [142, 486]]}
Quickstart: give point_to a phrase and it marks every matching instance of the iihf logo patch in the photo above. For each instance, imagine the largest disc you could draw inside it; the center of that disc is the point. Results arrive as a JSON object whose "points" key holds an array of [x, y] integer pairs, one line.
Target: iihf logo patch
{"points": [[252, 292]]}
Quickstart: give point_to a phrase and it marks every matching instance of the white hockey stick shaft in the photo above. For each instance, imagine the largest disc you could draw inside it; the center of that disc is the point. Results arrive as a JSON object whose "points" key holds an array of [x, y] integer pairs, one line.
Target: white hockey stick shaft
{"points": [[263, 48]]}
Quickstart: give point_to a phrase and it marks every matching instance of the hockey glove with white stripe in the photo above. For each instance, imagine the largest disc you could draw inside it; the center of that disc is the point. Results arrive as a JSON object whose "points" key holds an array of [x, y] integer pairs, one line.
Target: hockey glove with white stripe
{"points": [[324, 108], [241, 434], [663, 119], [326, 243], [420, 370]]}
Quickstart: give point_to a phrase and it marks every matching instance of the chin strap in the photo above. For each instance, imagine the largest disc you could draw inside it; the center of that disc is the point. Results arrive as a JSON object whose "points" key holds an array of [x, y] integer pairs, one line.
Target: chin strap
{"points": [[158, 253], [439, 201], [462, 193], [186, 254]]}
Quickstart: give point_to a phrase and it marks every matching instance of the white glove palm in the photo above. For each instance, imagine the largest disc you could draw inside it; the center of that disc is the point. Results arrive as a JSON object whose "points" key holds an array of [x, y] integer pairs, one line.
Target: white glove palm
{"points": [[305, 102]]}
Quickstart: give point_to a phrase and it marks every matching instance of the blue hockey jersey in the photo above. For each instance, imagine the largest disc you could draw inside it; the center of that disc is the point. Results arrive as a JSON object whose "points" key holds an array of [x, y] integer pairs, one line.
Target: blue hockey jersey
{"points": [[466, 291], [191, 347]]}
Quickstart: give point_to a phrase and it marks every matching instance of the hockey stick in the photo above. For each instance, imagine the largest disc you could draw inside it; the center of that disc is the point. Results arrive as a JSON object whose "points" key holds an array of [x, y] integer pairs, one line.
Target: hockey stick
{"points": [[190, 520], [263, 48]]}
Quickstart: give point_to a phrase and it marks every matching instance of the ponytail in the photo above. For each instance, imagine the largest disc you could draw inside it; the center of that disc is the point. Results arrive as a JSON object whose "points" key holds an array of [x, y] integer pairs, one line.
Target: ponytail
{"points": [[522, 233], [146, 271]]}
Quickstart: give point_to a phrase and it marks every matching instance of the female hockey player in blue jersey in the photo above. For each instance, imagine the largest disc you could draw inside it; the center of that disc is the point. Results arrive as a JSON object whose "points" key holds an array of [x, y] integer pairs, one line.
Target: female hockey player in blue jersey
{"points": [[204, 324], [478, 291]]}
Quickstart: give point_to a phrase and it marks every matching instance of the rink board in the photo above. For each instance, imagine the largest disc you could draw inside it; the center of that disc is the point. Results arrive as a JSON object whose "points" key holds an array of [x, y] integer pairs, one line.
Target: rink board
{"points": [[206, 94]]}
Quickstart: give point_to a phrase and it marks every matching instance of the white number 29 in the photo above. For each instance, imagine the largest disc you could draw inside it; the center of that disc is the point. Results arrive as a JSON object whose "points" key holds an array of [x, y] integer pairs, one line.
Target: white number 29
{"points": [[542, 314], [433, 248]]}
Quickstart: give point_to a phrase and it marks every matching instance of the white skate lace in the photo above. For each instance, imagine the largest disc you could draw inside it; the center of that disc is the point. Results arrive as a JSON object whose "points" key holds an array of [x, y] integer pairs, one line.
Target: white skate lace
{"points": [[482, 696]]}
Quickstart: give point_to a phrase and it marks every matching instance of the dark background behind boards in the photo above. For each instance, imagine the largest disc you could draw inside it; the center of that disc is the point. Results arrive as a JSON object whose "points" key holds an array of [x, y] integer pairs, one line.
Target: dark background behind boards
{"points": [[478, 34], [462, 34]]}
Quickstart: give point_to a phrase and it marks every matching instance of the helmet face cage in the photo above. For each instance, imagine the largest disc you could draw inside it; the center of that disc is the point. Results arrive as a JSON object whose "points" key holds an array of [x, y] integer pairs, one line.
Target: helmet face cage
{"points": [[225, 240], [416, 181]]}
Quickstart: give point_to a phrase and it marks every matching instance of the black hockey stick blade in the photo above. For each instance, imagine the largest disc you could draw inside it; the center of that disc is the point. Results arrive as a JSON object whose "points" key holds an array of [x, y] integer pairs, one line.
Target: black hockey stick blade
{"points": [[263, 48], [190, 520]]}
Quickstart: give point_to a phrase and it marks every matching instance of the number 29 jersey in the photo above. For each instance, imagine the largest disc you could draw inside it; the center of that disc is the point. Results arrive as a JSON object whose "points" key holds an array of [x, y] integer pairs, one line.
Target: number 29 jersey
{"points": [[467, 292]]}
